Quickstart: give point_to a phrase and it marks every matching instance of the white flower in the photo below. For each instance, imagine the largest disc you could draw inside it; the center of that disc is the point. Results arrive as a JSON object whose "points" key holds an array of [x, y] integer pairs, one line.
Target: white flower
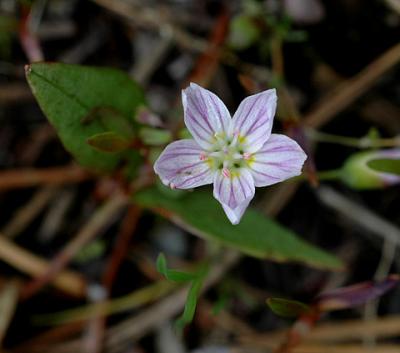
{"points": [[235, 154]]}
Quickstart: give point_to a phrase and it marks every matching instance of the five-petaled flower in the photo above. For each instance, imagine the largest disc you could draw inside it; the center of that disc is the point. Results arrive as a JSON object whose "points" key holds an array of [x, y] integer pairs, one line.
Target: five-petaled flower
{"points": [[236, 154]]}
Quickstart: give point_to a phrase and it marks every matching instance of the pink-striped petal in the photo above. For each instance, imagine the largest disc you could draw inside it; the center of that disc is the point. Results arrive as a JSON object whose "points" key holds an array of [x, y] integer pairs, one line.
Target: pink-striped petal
{"points": [[205, 115], [253, 119], [234, 193], [181, 166], [279, 159]]}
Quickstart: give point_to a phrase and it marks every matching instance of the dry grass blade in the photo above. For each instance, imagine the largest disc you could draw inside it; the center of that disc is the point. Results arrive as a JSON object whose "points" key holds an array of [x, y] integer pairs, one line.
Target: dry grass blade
{"points": [[8, 302], [33, 265], [98, 221], [383, 348], [132, 329], [28, 212], [360, 215], [352, 330]]}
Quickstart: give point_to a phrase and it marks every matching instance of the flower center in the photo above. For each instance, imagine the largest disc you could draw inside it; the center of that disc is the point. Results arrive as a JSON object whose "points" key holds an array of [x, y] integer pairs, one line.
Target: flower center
{"points": [[227, 154]]}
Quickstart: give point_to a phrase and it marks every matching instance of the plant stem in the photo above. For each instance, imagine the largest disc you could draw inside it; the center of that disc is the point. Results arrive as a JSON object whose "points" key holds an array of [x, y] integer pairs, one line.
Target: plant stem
{"points": [[363, 142], [332, 174]]}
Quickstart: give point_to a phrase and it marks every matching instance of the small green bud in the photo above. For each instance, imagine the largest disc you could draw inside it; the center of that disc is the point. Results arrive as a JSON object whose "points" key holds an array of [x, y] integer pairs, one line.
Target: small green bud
{"points": [[109, 142], [372, 169]]}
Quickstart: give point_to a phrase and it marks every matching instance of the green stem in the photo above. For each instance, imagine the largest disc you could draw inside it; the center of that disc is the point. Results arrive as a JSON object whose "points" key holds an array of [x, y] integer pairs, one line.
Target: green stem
{"points": [[333, 174], [363, 142]]}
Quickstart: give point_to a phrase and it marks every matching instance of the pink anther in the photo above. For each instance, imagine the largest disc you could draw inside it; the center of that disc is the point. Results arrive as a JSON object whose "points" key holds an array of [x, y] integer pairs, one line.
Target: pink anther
{"points": [[203, 156], [226, 173], [172, 186], [246, 155]]}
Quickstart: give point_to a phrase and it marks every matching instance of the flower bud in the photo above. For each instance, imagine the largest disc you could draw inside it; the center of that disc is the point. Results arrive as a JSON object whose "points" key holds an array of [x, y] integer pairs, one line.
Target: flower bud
{"points": [[373, 169]]}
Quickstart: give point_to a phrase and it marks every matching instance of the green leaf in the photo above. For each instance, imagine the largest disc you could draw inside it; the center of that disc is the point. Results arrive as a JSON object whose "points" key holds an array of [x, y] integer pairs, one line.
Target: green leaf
{"points": [[84, 101], [287, 308], [173, 275], [191, 303], [255, 235], [109, 142]]}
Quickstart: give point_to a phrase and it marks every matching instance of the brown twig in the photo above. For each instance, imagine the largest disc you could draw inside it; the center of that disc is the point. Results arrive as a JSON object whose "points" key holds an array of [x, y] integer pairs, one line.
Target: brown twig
{"points": [[207, 63], [33, 265], [97, 323], [98, 222], [351, 330], [121, 247], [49, 337], [28, 212], [15, 93], [23, 178], [347, 92]]}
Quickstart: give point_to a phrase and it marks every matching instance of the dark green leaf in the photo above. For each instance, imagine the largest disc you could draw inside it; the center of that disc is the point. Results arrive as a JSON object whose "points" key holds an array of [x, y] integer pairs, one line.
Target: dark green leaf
{"points": [[255, 235], [109, 142], [84, 101], [287, 308]]}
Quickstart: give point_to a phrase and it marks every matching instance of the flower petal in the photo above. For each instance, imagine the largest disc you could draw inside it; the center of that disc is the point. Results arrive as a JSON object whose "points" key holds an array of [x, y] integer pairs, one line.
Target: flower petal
{"points": [[180, 166], [205, 114], [253, 119], [279, 159], [234, 193]]}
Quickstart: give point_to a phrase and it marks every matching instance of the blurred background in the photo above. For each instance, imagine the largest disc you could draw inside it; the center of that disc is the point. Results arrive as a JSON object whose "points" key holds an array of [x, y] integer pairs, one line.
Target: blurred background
{"points": [[336, 67]]}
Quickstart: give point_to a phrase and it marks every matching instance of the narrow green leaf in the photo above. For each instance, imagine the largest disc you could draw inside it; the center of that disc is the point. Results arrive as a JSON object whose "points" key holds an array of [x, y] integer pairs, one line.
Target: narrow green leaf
{"points": [[191, 300], [191, 303], [161, 264], [173, 275], [82, 101], [255, 235], [109, 142], [287, 308]]}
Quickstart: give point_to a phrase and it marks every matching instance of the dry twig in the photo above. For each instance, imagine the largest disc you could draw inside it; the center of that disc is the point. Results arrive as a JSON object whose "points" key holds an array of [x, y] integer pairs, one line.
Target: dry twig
{"points": [[23, 178], [33, 265], [348, 91], [98, 222]]}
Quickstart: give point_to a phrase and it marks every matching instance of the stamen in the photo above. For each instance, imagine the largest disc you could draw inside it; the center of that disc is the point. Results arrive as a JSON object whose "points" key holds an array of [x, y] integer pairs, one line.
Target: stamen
{"points": [[203, 156], [226, 173], [172, 186], [235, 138], [246, 156]]}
